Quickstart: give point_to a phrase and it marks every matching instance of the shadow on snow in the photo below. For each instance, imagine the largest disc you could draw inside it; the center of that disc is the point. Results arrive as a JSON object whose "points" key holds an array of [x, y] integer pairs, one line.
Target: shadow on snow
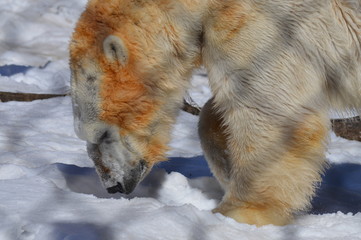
{"points": [[340, 189]]}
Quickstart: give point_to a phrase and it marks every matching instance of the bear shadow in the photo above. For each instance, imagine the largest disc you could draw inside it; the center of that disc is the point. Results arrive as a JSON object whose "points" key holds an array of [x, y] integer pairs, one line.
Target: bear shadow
{"points": [[339, 191]]}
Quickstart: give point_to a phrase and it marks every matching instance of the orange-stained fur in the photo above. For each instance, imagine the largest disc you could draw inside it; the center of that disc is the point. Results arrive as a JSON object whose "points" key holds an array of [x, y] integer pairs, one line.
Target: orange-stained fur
{"points": [[275, 69], [133, 97]]}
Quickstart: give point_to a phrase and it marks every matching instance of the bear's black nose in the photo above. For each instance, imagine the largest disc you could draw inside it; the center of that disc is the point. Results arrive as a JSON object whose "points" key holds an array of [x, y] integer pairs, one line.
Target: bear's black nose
{"points": [[115, 189]]}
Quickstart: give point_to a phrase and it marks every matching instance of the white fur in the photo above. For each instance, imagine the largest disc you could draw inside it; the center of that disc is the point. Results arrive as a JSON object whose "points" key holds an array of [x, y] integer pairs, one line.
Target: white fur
{"points": [[275, 69]]}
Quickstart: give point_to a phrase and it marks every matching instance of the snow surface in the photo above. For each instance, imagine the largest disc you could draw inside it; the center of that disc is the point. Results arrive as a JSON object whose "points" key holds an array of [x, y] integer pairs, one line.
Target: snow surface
{"points": [[50, 190]]}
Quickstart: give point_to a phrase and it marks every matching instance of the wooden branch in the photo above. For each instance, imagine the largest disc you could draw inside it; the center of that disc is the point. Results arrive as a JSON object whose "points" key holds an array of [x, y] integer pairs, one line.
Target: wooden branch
{"points": [[349, 128], [26, 97], [190, 109]]}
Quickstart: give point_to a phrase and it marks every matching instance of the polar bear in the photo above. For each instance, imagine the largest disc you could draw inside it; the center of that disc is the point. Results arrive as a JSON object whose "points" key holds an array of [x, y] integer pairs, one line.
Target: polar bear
{"points": [[275, 69]]}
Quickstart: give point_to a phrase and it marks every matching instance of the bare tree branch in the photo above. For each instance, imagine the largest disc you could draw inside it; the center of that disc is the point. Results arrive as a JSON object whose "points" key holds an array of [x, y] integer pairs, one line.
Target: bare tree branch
{"points": [[349, 128], [194, 110], [26, 97]]}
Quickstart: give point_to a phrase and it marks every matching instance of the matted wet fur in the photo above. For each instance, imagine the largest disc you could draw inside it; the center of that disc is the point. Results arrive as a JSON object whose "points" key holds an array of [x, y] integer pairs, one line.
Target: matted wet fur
{"points": [[275, 69]]}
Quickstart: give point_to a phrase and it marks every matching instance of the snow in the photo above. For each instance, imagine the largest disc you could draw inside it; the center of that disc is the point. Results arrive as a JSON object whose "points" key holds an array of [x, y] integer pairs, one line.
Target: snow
{"points": [[52, 78], [34, 32], [50, 190]]}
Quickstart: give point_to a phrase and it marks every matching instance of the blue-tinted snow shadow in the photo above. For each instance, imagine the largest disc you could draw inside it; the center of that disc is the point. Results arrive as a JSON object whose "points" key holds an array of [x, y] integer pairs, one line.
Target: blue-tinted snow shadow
{"points": [[189, 167], [12, 69], [9, 70], [340, 189]]}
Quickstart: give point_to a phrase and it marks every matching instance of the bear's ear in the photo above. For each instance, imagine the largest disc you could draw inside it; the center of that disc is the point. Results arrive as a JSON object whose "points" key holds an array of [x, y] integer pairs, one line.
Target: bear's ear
{"points": [[115, 50]]}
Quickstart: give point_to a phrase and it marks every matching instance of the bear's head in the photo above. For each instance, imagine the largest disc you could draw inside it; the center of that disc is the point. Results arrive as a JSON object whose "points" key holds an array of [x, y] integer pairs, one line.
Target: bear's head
{"points": [[130, 63]]}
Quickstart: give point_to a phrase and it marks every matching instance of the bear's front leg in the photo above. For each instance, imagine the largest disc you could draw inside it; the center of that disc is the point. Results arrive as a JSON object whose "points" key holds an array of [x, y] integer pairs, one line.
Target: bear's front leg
{"points": [[268, 169]]}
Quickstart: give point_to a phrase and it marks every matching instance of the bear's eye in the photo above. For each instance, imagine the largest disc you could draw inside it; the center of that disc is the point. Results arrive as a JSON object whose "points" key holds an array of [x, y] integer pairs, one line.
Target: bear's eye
{"points": [[91, 78]]}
